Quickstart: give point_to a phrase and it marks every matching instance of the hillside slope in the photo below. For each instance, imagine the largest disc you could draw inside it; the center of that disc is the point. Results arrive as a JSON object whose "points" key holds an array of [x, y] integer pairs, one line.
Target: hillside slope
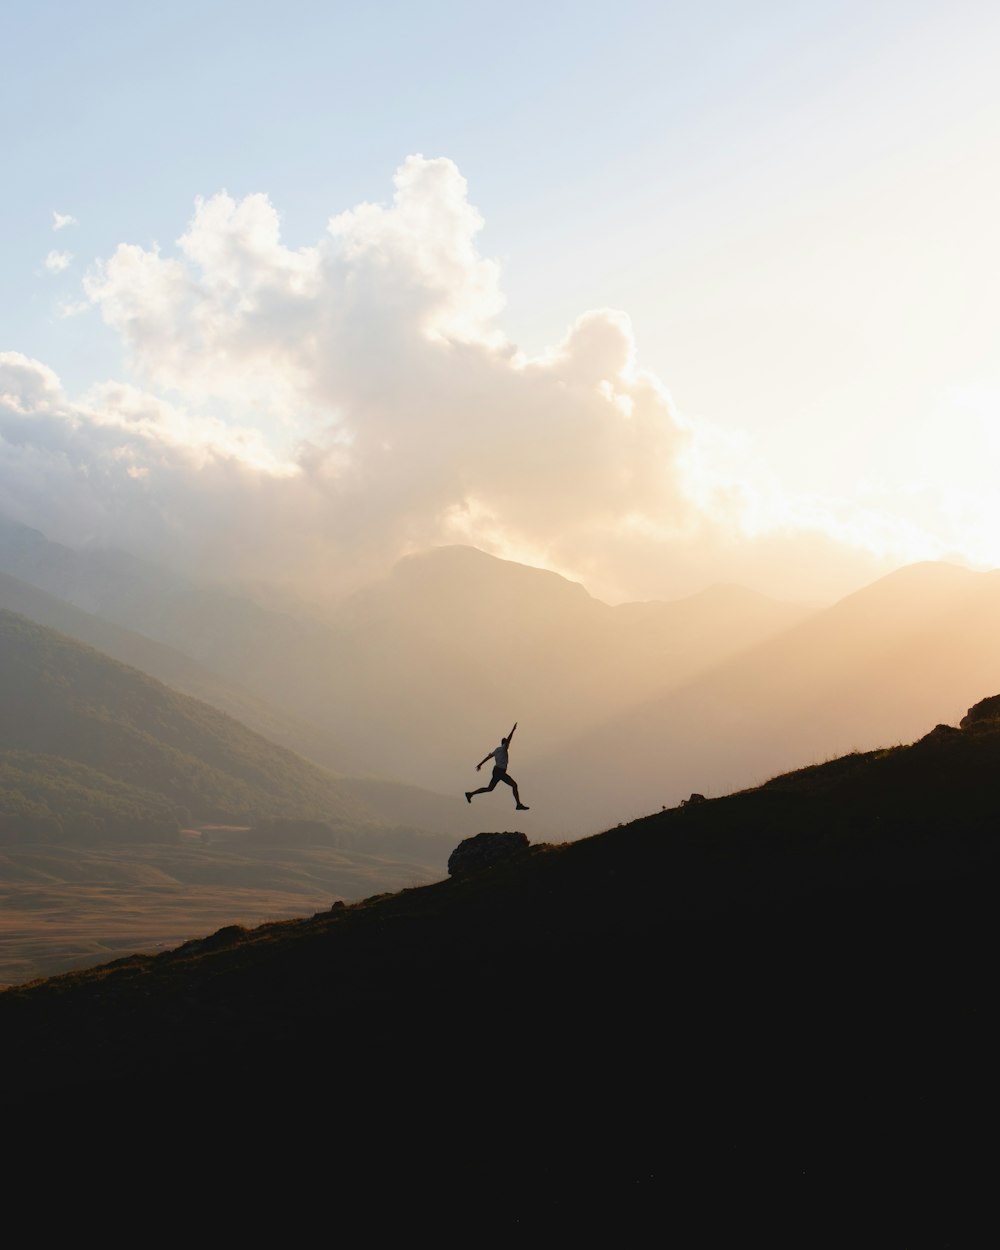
{"points": [[771, 1011], [174, 669], [394, 804], [67, 702]]}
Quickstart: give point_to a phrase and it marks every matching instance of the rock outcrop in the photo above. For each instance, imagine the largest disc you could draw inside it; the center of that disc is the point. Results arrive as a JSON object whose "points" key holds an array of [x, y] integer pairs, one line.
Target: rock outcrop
{"points": [[484, 851], [984, 710]]}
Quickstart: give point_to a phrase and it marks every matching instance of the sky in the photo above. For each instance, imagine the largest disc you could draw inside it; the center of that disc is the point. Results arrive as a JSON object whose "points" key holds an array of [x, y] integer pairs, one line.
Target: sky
{"points": [[654, 295]]}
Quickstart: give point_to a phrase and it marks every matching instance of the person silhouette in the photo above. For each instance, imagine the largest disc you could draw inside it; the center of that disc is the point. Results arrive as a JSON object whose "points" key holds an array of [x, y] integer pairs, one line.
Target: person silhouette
{"points": [[499, 757]]}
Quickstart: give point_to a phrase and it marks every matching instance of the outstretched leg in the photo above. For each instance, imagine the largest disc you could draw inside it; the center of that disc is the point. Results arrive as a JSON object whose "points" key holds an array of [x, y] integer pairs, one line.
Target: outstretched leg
{"points": [[483, 789]]}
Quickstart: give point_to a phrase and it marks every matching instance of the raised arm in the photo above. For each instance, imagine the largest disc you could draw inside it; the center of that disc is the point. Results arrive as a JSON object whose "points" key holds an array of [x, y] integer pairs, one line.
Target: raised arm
{"points": [[511, 734]]}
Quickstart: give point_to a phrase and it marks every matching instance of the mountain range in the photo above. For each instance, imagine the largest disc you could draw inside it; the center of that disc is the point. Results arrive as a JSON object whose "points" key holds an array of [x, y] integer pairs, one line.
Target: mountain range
{"points": [[767, 1012], [409, 681], [914, 647], [621, 709], [390, 803]]}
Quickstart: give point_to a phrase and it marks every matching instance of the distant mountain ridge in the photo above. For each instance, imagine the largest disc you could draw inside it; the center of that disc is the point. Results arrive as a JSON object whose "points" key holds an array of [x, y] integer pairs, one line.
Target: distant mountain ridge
{"points": [[429, 657], [913, 647], [622, 710], [414, 678]]}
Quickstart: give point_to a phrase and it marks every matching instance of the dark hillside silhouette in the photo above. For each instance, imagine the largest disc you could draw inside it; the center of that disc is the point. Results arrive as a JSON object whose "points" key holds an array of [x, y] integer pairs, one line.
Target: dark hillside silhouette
{"points": [[769, 1014]]}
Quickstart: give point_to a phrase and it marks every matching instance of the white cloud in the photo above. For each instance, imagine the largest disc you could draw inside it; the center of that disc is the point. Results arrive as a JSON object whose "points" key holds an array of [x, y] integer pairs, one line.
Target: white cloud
{"points": [[122, 467], [364, 402], [73, 307], [61, 220], [56, 262]]}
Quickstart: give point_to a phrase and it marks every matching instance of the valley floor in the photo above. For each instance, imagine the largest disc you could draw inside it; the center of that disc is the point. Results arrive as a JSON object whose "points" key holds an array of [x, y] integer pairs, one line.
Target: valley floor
{"points": [[63, 908]]}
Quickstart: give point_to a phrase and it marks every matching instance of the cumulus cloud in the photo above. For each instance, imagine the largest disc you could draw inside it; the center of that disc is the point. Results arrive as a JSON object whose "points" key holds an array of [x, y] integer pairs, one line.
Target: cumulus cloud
{"points": [[56, 262], [310, 414], [61, 220], [120, 466]]}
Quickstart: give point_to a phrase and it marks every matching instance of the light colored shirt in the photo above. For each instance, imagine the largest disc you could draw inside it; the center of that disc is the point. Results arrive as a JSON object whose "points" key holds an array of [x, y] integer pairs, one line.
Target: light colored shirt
{"points": [[500, 756]]}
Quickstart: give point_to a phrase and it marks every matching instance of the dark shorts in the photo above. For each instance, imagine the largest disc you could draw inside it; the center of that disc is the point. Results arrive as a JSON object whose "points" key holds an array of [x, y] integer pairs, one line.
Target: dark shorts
{"points": [[500, 774]]}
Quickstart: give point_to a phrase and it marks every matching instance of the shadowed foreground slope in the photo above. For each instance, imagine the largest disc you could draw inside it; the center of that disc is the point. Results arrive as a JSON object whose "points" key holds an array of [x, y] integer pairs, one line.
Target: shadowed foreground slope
{"points": [[768, 1013]]}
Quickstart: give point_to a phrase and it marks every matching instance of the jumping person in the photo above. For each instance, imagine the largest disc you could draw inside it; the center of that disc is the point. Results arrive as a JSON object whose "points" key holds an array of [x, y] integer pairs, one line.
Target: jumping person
{"points": [[499, 757]]}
